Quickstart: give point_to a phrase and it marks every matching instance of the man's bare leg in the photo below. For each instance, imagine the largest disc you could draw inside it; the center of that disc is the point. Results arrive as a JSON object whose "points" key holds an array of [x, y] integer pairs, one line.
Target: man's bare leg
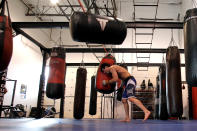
{"points": [[141, 106], [126, 108]]}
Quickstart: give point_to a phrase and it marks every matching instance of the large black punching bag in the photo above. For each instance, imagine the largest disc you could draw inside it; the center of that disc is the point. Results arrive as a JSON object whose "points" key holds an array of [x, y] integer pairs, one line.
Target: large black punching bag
{"points": [[93, 97], [190, 46], [56, 80], [173, 82], [163, 113], [86, 27], [80, 89]]}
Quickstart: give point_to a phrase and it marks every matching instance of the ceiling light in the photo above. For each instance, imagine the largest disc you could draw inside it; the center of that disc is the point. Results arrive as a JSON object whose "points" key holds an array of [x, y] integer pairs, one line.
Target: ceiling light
{"points": [[54, 1]]}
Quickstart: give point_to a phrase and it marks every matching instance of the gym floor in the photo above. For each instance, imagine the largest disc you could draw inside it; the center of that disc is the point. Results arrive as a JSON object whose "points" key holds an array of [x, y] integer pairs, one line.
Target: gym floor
{"points": [[54, 124]]}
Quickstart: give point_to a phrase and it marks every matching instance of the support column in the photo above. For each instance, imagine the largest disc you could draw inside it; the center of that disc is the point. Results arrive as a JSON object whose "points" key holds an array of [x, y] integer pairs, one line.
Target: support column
{"points": [[41, 86]]}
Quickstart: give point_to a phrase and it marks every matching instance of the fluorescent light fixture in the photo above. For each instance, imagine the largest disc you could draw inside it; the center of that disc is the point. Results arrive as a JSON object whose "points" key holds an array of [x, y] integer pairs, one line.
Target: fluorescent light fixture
{"points": [[54, 1]]}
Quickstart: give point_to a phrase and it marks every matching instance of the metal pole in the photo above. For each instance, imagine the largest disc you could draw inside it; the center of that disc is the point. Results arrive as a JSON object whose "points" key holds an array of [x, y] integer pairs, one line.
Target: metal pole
{"points": [[41, 86], [62, 99], [14, 89]]}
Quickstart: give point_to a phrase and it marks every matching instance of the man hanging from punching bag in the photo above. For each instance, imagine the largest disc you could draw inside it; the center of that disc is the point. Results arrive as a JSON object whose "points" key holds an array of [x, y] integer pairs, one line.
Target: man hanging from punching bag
{"points": [[119, 72]]}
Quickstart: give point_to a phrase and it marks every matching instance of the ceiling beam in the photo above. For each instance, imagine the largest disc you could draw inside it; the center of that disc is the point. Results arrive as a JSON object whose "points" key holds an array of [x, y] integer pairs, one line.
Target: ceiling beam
{"points": [[40, 24], [128, 64], [19, 31], [116, 50], [159, 25]]}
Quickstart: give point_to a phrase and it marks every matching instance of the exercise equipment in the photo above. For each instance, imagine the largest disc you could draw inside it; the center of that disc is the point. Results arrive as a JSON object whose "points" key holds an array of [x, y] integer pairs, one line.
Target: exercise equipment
{"points": [[150, 84], [157, 98], [190, 102], [86, 27], [100, 76], [163, 113], [37, 112], [6, 39], [173, 82], [143, 85], [190, 46], [56, 80], [3, 90], [80, 88], [93, 97]]}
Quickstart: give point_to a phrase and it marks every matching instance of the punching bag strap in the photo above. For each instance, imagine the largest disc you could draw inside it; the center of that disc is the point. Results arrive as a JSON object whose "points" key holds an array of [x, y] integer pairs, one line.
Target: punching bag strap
{"points": [[9, 19], [2, 7]]}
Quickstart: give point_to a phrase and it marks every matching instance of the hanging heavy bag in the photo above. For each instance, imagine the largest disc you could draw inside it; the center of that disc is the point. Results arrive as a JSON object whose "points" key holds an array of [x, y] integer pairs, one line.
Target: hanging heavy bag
{"points": [[93, 97], [6, 40], [194, 102], [190, 46], [80, 89], [190, 102], [173, 82], [101, 76], [163, 113], [86, 27], [157, 98], [56, 80], [150, 84]]}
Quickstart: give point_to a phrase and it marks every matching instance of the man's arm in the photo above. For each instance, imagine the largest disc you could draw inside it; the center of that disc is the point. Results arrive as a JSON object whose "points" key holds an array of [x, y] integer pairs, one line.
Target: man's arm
{"points": [[114, 76]]}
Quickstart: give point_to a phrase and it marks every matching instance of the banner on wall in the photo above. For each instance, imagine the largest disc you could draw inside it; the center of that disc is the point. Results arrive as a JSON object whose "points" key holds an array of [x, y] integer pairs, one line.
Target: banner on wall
{"points": [[23, 91]]}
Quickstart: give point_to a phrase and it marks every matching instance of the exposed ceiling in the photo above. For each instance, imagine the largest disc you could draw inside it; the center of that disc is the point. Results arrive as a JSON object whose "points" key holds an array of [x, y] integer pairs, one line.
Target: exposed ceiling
{"points": [[124, 9], [127, 10]]}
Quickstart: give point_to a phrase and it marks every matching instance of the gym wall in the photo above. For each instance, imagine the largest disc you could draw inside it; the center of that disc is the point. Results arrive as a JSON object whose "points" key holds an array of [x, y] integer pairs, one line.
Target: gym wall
{"points": [[25, 67]]}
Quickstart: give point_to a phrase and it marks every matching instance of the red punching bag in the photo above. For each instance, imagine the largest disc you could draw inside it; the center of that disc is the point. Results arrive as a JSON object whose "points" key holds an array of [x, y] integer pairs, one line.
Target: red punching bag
{"points": [[194, 102], [119, 83], [6, 41], [109, 88], [56, 79]]}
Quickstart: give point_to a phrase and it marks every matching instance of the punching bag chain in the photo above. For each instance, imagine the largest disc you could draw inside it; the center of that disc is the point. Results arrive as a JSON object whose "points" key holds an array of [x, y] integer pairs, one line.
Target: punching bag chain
{"points": [[163, 59], [122, 58], [194, 3], [172, 41], [82, 61], [61, 42]]}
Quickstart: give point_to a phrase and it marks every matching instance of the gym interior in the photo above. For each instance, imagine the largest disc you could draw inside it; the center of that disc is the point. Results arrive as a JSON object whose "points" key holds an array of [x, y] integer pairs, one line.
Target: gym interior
{"points": [[51, 53]]}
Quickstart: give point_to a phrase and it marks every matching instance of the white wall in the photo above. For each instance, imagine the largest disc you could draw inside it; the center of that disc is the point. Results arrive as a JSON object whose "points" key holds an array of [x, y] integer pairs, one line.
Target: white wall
{"points": [[25, 67], [185, 6]]}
